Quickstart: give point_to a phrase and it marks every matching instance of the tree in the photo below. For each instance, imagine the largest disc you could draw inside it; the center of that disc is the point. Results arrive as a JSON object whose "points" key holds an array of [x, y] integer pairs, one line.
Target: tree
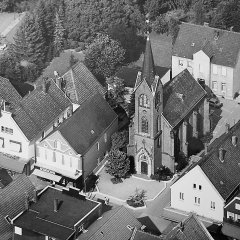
{"points": [[137, 199], [160, 25], [118, 163], [119, 140], [104, 56], [58, 35], [131, 105]]}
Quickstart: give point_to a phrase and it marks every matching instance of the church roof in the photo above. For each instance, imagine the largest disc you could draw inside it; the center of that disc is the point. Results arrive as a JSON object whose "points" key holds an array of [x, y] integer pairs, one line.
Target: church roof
{"points": [[180, 96], [148, 69]]}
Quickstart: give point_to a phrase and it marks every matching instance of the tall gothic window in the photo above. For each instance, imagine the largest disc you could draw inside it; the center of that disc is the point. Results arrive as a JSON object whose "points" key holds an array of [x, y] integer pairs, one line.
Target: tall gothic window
{"points": [[158, 124], [144, 101], [144, 125], [157, 99]]}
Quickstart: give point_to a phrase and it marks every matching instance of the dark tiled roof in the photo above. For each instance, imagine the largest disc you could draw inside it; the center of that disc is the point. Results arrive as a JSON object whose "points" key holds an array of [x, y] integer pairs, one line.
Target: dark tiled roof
{"points": [[61, 64], [81, 84], [191, 39], [8, 92], [190, 229], [148, 69], [32, 114], [87, 123], [140, 235], [181, 95], [12, 202], [223, 175], [41, 217], [112, 225]]}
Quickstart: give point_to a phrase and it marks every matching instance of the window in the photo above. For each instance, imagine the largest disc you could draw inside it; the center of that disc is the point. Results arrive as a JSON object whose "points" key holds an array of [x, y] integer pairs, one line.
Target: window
{"points": [[230, 215], [43, 134], [54, 156], [189, 64], [57, 144], [223, 87], [15, 146], [197, 200], [98, 146], [158, 124], [215, 69], [1, 142], [194, 186], [105, 137], [200, 187], [224, 71], [63, 160], [214, 86], [7, 130], [144, 125], [159, 141], [181, 196], [143, 101], [180, 62], [157, 99], [237, 206], [212, 205], [201, 70]]}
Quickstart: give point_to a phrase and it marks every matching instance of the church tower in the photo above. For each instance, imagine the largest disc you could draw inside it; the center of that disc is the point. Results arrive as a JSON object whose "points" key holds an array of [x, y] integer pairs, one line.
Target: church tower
{"points": [[145, 130]]}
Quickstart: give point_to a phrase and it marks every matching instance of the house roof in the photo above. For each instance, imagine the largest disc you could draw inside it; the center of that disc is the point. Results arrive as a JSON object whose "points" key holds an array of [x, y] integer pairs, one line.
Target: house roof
{"points": [[81, 84], [223, 46], [223, 175], [140, 235], [32, 113], [13, 199], [189, 229], [87, 123], [8, 92], [181, 94], [112, 225], [42, 218]]}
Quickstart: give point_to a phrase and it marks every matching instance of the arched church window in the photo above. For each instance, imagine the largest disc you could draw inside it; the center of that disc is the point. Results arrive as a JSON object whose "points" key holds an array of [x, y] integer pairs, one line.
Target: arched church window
{"points": [[144, 101], [157, 99], [144, 125]]}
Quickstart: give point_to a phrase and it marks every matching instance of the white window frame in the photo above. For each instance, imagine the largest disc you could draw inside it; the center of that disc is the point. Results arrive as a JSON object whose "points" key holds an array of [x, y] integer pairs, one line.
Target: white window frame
{"points": [[15, 146], [237, 206], [224, 71], [223, 84], [197, 201], [230, 214], [213, 205], [215, 69], [181, 196], [214, 84], [180, 62]]}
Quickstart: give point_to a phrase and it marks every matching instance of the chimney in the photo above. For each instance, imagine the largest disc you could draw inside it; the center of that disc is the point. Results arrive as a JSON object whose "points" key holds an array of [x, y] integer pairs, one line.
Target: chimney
{"points": [[206, 24], [59, 82], [205, 148], [201, 82], [221, 157], [227, 127], [55, 204], [234, 141], [44, 88]]}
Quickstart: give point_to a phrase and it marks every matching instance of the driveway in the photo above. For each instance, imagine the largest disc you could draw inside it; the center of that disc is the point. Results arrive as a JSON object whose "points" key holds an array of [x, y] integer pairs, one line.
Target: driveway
{"points": [[128, 187], [229, 113]]}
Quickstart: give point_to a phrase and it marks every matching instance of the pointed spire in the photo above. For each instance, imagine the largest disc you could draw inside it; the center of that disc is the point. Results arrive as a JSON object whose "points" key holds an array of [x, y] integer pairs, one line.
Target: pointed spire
{"points": [[148, 69]]}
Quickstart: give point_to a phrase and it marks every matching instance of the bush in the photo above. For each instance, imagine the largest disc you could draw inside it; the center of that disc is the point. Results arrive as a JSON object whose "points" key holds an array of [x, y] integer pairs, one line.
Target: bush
{"points": [[81, 47], [138, 199], [182, 161], [91, 182], [163, 173], [116, 180]]}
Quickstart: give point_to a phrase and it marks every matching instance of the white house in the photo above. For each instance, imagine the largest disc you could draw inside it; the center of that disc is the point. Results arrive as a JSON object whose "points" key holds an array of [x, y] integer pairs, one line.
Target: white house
{"points": [[25, 120], [210, 54], [211, 182]]}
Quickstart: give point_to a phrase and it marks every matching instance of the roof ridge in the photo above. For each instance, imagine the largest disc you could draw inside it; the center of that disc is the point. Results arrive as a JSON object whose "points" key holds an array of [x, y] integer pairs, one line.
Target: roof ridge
{"points": [[224, 30]]}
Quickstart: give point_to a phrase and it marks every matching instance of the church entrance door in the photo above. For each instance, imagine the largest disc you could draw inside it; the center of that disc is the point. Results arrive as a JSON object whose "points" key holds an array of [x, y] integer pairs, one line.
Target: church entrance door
{"points": [[144, 168]]}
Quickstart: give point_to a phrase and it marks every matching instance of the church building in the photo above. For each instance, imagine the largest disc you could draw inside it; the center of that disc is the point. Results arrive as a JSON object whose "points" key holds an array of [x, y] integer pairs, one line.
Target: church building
{"points": [[166, 117]]}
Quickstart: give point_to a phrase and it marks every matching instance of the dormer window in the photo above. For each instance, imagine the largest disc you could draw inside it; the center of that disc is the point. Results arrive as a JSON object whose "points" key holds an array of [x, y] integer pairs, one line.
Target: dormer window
{"points": [[180, 63], [144, 101]]}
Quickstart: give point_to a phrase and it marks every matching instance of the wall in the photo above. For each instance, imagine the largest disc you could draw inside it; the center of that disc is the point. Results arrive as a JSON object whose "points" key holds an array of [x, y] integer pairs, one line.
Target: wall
{"points": [[219, 78], [206, 195], [176, 68], [91, 157], [6, 120], [236, 77], [166, 77]]}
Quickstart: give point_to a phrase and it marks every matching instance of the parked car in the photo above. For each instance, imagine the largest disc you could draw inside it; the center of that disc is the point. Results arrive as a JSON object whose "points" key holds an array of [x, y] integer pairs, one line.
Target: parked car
{"points": [[214, 102]]}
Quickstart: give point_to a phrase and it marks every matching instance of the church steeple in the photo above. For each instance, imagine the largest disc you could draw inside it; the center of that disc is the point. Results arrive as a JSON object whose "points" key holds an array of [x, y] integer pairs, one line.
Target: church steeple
{"points": [[148, 69]]}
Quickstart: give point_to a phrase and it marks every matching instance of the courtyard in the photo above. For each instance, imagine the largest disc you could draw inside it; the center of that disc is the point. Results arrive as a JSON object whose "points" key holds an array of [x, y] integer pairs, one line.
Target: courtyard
{"points": [[128, 187]]}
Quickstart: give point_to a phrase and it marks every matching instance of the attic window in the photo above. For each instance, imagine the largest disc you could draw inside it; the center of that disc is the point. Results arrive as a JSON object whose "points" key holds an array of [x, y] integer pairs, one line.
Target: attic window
{"points": [[92, 132], [130, 227], [193, 44]]}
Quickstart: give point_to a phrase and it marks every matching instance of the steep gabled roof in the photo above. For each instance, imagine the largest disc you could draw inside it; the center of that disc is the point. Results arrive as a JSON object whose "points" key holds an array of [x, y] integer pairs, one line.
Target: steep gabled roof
{"points": [[87, 123], [189, 229], [8, 92], [225, 45], [13, 201], [38, 109], [112, 225], [180, 96]]}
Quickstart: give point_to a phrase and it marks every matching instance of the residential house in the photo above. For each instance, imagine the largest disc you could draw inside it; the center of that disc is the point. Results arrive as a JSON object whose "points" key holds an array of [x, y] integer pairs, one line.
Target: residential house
{"points": [[210, 183], [13, 200], [74, 78], [189, 228], [60, 214], [117, 223], [231, 221], [78, 146], [209, 54], [166, 117], [25, 120]]}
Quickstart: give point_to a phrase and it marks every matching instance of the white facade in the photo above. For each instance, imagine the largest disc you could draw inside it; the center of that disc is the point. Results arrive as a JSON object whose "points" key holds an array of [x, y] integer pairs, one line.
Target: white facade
{"points": [[219, 78], [195, 193]]}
